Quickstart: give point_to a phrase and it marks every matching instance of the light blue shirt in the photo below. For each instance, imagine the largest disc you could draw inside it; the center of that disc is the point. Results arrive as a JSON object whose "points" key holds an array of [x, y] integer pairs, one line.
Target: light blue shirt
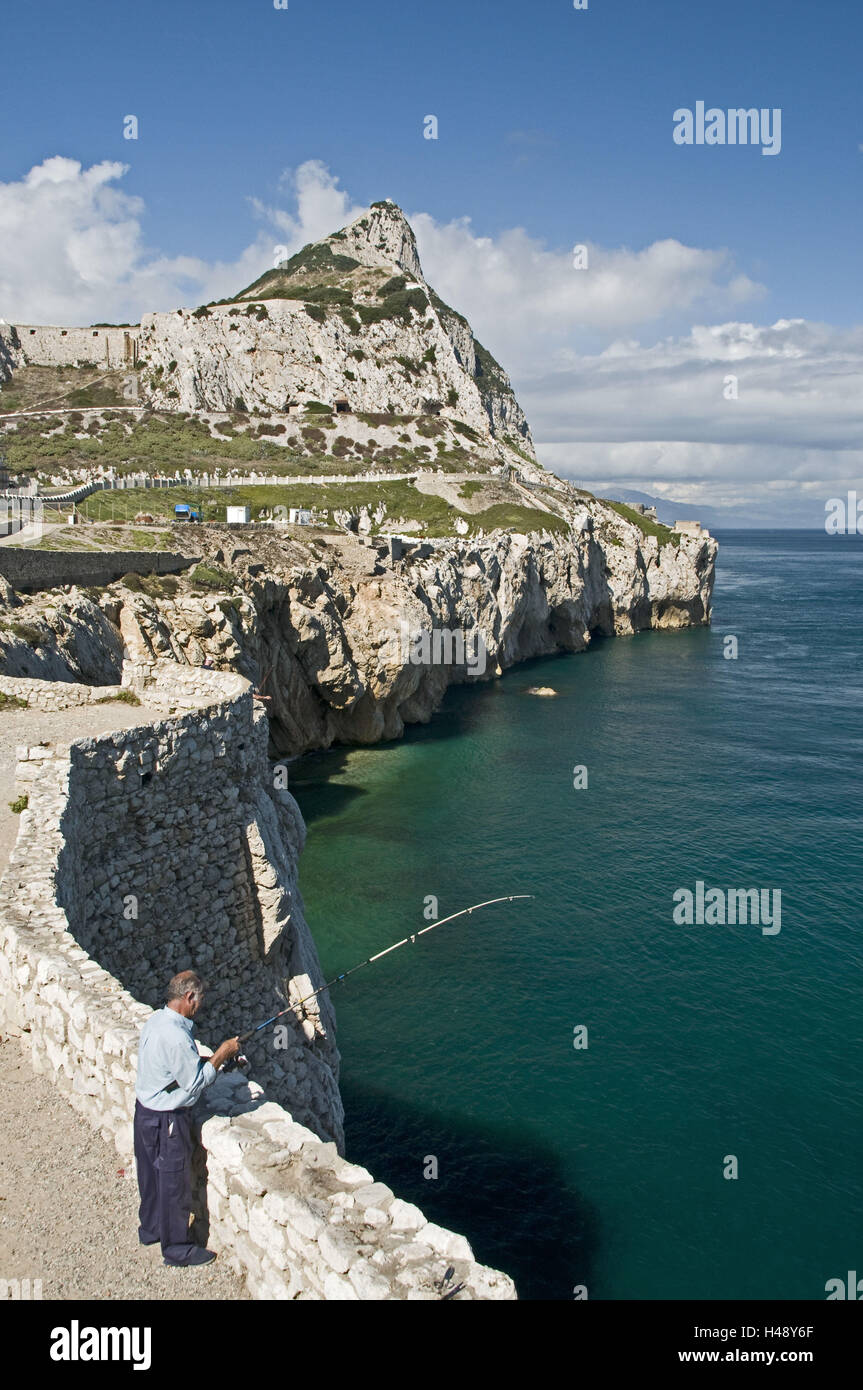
{"points": [[167, 1053]]}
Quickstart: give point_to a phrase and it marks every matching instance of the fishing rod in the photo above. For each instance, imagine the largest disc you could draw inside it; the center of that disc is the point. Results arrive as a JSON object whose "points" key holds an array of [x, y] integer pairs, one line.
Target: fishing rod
{"points": [[413, 937]]}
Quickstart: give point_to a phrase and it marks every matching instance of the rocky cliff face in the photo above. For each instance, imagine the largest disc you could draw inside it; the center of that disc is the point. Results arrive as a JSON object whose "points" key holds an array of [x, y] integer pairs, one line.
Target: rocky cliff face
{"points": [[349, 317], [332, 631], [10, 351]]}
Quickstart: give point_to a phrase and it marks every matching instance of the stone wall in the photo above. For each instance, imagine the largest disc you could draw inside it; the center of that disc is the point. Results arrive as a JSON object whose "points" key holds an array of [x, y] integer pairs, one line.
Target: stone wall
{"points": [[153, 849], [29, 571], [55, 695], [44, 346], [165, 686]]}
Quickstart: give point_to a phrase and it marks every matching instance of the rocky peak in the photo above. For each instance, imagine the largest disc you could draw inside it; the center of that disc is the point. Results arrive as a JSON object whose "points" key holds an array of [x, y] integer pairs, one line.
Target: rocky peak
{"points": [[381, 237]]}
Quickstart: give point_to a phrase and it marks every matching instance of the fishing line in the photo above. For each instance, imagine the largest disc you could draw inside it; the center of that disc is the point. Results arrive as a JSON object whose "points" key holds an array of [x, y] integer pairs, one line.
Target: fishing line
{"points": [[413, 937]]}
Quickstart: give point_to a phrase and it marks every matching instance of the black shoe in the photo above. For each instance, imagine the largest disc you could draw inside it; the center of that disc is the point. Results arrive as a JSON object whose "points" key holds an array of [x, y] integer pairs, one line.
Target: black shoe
{"points": [[197, 1256]]}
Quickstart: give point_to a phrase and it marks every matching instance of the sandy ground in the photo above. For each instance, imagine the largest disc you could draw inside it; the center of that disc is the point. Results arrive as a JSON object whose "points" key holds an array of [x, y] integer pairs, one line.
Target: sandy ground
{"points": [[68, 1212]]}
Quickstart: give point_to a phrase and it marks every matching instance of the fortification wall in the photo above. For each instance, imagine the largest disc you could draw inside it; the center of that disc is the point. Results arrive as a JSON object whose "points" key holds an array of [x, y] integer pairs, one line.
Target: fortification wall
{"points": [[44, 346], [50, 696], [164, 847], [166, 686], [29, 571]]}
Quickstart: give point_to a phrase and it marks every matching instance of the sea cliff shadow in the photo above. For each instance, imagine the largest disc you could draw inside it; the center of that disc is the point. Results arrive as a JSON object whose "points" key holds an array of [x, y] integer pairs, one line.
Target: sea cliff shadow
{"points": [[504, 1191], [311, 777]]}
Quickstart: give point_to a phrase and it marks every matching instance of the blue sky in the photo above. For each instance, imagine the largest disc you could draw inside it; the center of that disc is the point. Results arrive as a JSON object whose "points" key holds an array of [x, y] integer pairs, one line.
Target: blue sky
{"points": [[552, 120]]}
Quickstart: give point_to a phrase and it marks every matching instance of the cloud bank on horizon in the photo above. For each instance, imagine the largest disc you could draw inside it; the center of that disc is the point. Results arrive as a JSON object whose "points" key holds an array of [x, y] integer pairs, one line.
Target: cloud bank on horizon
{"points": [[725, 412]]}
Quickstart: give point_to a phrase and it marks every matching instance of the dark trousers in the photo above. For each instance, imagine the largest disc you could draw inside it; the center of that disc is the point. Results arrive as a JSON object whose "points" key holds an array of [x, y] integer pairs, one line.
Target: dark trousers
{"points": [[163, 1153]]}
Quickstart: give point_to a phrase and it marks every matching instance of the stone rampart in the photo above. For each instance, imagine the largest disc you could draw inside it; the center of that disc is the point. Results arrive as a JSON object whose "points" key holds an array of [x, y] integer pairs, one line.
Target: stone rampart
{"points": [[49, 346], [167, 847], [29, 571]]}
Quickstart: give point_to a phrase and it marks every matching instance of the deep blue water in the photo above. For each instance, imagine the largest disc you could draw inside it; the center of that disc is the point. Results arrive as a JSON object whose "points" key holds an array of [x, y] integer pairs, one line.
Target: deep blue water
{"points": [[604, 1167]]}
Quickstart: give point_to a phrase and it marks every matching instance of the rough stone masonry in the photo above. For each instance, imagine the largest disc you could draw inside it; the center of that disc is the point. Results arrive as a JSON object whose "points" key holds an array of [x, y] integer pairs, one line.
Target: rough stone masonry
{"points": [[169, 845]]}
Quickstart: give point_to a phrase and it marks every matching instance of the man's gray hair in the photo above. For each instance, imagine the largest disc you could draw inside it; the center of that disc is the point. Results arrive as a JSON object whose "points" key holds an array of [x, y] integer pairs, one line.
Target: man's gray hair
{"points": [[181, 984]]}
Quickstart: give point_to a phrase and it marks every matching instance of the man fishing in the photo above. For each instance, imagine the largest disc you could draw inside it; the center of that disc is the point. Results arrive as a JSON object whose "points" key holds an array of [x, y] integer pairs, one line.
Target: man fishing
{"points": [[171, 1077]]}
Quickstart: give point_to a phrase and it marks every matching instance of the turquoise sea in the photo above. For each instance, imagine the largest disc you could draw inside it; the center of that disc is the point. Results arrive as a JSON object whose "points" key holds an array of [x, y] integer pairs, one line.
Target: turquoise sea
{"points": [[604, 1167]]}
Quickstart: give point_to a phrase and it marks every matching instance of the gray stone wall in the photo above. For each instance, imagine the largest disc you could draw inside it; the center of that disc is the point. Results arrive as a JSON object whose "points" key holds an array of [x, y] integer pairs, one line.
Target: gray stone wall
{"points": [[29, 571], [180, 819], [55, 695], [48, 346]]}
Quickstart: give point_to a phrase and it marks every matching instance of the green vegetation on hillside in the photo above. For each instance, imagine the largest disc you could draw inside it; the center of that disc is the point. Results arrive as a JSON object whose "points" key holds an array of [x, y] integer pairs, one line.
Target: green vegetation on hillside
{"points": [[403, 501], [55, 387], [646, 526], [314, 260]]}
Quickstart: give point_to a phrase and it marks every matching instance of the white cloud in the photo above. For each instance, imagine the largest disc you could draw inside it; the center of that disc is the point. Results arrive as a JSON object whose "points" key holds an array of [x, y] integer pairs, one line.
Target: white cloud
{"points": [[322, 207], [602, 405], [72, 248], [518, 294], [664, 419]]}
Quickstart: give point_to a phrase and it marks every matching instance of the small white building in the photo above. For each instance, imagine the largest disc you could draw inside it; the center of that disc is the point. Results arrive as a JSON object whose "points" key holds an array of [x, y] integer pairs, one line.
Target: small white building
{"points": [[299, 516], [688, 528], [239, 516]]}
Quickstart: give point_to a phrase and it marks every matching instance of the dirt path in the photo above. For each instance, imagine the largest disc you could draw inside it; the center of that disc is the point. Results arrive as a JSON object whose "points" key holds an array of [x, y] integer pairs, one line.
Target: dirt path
{"points": [[68, 1213]]}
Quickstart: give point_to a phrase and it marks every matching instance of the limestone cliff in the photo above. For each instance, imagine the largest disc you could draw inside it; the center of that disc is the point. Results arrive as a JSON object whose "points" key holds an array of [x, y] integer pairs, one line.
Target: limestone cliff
{"points": [[10, 351], [351, 316], [319, 625]]}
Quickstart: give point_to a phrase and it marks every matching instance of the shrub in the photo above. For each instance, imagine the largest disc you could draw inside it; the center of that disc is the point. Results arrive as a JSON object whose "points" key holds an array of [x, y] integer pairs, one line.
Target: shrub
{"points": [[469, 433], [172, 365], [430, 426], [11, 702], [123, 697], [316, 312], [25, 632], [211, 577], [353, 323], [314, 259], [317, 408], [452, 396], [382, 418], [358, 354], [201, 313], [21, 804], [240, 406], [393, 286], [396, 306], [351, 376]]}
